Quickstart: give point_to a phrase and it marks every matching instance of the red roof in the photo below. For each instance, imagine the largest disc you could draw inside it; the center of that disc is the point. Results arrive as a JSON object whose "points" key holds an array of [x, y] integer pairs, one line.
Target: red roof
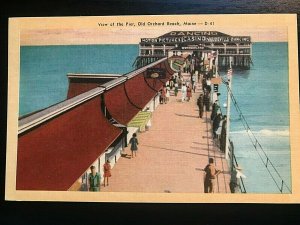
{"points": [[127, 99], [76, 88], [119, 106], [138, 91], [55, 154]]}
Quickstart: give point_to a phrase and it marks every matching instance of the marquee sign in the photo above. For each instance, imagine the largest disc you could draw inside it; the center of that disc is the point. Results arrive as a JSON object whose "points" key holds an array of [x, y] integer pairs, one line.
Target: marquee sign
{"points": [[204, 39]]}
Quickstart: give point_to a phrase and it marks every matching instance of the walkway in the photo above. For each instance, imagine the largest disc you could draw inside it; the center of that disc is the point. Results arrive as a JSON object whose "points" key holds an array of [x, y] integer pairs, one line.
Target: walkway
{"points": [[171, 154]]}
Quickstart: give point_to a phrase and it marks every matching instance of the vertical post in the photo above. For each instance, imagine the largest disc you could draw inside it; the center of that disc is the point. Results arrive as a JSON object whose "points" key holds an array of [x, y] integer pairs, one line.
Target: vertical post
{"points": [[217, 63], [152, 49], [229, 78]]}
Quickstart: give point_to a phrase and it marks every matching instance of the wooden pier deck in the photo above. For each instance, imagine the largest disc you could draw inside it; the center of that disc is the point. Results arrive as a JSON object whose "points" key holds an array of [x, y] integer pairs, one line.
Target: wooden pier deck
{"points": [[171, 154]]}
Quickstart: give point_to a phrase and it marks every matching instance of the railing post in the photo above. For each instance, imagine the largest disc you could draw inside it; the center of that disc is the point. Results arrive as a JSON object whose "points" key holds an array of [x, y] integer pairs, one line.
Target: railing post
{"points": [[229, 78]]}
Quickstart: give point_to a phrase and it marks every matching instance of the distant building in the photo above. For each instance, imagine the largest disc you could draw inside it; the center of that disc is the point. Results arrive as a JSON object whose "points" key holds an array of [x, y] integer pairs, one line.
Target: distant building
{"points": [[238, 49]]}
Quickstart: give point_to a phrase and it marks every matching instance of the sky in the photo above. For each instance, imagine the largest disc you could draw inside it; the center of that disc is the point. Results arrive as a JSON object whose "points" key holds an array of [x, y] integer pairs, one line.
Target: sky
{"points": [[132, 36]]}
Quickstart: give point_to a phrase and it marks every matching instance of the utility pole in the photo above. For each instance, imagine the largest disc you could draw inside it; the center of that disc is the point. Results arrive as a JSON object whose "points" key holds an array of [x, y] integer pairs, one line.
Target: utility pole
{"points": [[229, 79]]}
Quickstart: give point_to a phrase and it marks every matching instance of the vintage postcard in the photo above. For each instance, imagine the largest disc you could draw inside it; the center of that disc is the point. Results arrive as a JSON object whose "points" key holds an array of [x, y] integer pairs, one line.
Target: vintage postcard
{"points": [[176, 108]]}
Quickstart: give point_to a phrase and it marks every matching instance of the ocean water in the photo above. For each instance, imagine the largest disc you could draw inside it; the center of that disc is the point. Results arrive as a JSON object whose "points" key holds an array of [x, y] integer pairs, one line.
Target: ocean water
{"points": [[262, 95], [261, 92], [43, 80]]}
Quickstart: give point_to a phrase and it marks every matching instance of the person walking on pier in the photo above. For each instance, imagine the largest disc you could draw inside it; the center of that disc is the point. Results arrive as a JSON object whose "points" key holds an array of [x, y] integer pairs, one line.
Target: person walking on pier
{"points": [[168, 93], [183, 92], [211, 174], [160, 97], [163, 95], [134, 144], [194, 82], [215, 108], [223, 134], [189, 93], [206, 101], [216, 124], [176, 89], [200, 105], [107, 172], [235, 180], [93, 180]]}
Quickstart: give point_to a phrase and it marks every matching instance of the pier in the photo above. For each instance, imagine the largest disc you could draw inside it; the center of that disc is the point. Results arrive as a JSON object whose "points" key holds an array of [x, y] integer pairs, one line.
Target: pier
{"points": [[98, 118], [237, 49], [172, 153]]}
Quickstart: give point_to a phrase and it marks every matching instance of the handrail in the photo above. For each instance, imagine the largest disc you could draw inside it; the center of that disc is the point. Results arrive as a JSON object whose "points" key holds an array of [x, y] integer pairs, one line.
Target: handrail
{"points": [[234, 163], [258, 146]]}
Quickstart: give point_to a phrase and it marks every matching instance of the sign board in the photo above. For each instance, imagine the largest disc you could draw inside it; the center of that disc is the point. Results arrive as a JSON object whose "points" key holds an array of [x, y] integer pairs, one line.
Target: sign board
{"points": [[203, 39], [159, 73]]}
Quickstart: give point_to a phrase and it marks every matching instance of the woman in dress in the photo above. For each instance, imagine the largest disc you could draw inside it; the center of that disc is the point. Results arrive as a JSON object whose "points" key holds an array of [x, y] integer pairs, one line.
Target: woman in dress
{"points": [[134, 143], [107, 172], [163, 94], [167, 93], [189, 93]]}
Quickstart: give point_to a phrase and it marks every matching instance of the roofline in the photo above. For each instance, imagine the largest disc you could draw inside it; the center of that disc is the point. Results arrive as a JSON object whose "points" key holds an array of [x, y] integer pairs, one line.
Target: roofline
{"points": [[91, 75], [55, 110], [44, 115]]}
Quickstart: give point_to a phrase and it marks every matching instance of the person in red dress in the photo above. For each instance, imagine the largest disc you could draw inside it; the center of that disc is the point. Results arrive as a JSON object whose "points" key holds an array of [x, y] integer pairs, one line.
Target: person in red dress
{"points": [[107, 172]]}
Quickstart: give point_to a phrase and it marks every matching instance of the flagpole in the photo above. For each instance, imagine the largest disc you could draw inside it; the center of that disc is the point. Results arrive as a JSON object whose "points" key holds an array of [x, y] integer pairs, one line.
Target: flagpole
{"points": [[229, 79]]}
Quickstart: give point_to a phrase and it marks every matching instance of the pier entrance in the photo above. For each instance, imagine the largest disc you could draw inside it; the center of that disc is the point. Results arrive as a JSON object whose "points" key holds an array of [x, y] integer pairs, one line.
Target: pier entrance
{"points": [[235, 48]]}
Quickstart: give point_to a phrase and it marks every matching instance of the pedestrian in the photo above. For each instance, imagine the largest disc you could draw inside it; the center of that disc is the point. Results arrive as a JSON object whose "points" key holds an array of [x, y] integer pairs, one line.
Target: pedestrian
{"points": [[216, 124], [215, 108], [183, 93], [163, 95], [235, 180], [107, 172], [206, 101], [200, 105], [134, 143], [171, 84], [160, 96], [189, 93], [176, 88], [93, 180], [194, 82], [223, 135], [168, 93], [219, 129], [211, 174], [203, 84]]}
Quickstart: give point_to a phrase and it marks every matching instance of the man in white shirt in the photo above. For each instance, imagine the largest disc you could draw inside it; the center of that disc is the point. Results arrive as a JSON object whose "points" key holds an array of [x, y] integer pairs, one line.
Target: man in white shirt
{"points": [[183, 93]]}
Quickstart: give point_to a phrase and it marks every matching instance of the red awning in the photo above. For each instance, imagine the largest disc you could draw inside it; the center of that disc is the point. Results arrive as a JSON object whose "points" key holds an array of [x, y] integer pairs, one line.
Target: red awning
{"points": [[169, 72], [126, 100], [119, 106], [156, 83], [138, 92], [54, 155]]}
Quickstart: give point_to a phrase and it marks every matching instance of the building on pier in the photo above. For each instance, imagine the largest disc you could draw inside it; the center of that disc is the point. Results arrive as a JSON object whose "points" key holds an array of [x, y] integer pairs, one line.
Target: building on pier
{"points": [[238, 49], [57, 145]]}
